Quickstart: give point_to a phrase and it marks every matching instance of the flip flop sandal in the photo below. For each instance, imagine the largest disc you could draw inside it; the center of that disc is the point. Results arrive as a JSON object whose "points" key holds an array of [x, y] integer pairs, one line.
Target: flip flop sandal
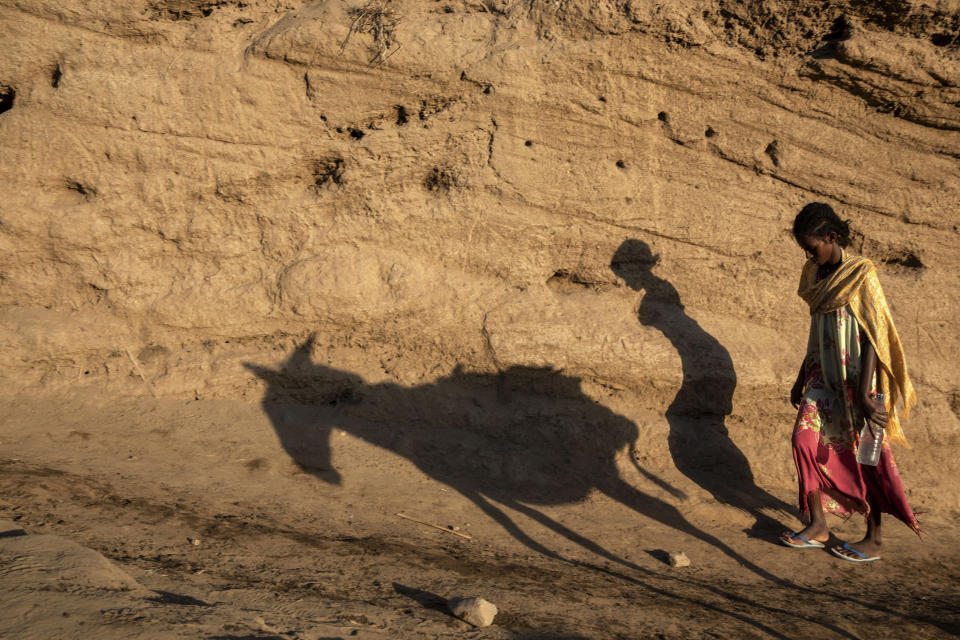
{"points": [[846, 546], [807, 544]]}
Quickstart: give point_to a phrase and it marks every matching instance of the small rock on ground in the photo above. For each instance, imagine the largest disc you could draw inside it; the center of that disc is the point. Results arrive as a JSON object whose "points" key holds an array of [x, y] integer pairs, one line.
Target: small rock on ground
{"points": [[476, 611], [679, 559]]}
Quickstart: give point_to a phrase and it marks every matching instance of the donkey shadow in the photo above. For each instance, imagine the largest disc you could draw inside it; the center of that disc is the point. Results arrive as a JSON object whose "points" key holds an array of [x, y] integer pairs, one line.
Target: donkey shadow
{"points": [[699, 441], [525, 436]]}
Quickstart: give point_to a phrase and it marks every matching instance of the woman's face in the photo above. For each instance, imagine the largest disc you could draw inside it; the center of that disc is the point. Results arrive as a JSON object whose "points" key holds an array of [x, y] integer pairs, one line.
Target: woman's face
{"points": [[821, 249]]}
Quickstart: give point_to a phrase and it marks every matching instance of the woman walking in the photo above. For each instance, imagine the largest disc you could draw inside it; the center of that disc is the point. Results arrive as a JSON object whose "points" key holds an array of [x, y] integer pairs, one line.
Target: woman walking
{"points": [[853, 374]]}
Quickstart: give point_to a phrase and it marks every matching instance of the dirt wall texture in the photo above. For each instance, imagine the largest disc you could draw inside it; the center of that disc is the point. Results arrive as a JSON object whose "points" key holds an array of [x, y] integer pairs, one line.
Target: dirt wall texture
{"points": [[436, 190]]}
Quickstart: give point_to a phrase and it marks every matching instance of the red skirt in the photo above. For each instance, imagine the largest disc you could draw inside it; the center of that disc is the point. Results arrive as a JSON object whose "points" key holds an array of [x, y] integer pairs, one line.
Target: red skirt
{"points": [[845, 485]]}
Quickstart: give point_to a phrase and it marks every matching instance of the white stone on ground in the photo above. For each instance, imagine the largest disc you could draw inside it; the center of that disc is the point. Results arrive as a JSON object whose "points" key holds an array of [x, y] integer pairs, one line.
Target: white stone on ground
{"points": [[476, 611]]}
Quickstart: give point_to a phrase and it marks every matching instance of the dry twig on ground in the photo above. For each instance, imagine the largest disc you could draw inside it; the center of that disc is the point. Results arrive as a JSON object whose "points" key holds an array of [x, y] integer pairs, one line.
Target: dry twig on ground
{"points": [[435, 526]]}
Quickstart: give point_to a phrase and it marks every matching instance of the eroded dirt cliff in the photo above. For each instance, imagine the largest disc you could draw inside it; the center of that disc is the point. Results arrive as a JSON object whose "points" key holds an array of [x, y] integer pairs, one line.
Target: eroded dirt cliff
{"points": [[425, 185]]}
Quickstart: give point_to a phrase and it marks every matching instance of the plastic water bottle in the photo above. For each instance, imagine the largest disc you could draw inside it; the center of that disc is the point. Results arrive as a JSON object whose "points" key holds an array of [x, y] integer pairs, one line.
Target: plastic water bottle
{"points": [[870, 448]]}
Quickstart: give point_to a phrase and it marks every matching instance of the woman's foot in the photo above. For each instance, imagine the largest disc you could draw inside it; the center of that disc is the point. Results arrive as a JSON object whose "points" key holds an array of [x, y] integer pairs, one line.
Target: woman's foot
{"points": [[813, 533], [862, 551]]}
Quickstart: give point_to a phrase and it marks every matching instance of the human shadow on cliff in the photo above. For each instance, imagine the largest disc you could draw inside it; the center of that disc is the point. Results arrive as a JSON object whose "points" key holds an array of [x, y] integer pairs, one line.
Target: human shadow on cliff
{"points": [[524, 436], [699, 441]]}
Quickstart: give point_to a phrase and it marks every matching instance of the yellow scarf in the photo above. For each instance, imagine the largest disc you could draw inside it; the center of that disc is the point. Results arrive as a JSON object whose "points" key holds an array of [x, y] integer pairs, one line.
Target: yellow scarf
{"points": [[855, 284]]}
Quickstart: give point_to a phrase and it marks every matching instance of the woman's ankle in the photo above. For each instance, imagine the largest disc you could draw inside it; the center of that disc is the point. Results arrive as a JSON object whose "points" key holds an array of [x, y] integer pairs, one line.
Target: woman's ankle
{"points": [[816, 530]]}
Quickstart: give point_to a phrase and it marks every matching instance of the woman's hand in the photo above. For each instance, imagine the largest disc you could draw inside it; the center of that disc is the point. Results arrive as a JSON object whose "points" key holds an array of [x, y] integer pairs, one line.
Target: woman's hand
{"points": [[796, 393], [875, 413]]}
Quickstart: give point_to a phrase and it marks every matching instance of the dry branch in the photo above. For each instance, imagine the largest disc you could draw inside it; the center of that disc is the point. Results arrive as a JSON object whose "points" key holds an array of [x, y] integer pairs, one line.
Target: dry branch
{"points": [[435, 526]]}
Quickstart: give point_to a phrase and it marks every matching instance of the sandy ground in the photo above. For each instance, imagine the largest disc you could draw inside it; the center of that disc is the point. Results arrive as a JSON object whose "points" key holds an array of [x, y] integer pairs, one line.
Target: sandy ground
{"points": [[226, 538]]}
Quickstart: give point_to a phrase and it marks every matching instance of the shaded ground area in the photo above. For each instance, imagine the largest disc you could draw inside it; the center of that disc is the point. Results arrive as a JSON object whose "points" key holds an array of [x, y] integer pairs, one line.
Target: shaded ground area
{"points": [[281, 553]]}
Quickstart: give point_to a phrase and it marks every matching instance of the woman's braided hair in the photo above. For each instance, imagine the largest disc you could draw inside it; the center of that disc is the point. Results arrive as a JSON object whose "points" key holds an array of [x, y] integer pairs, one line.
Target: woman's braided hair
{"points": [[818, 219]]}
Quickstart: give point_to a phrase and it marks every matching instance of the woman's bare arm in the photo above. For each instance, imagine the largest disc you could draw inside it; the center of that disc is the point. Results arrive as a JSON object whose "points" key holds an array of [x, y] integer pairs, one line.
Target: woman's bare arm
{"points": [[873, 409]]}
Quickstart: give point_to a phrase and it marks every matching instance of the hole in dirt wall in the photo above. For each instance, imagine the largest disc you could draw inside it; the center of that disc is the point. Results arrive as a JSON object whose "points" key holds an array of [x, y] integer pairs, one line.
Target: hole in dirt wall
{"points": [[7, 97], [884, 254]]}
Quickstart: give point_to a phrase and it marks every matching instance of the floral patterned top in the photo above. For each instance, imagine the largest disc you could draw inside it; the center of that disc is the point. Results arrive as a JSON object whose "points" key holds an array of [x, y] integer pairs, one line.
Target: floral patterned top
{"points": [[832, 378]]}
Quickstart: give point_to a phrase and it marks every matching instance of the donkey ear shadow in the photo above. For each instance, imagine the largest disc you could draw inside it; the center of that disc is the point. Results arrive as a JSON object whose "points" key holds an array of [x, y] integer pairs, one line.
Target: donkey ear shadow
{"points": [[268, 375]]}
